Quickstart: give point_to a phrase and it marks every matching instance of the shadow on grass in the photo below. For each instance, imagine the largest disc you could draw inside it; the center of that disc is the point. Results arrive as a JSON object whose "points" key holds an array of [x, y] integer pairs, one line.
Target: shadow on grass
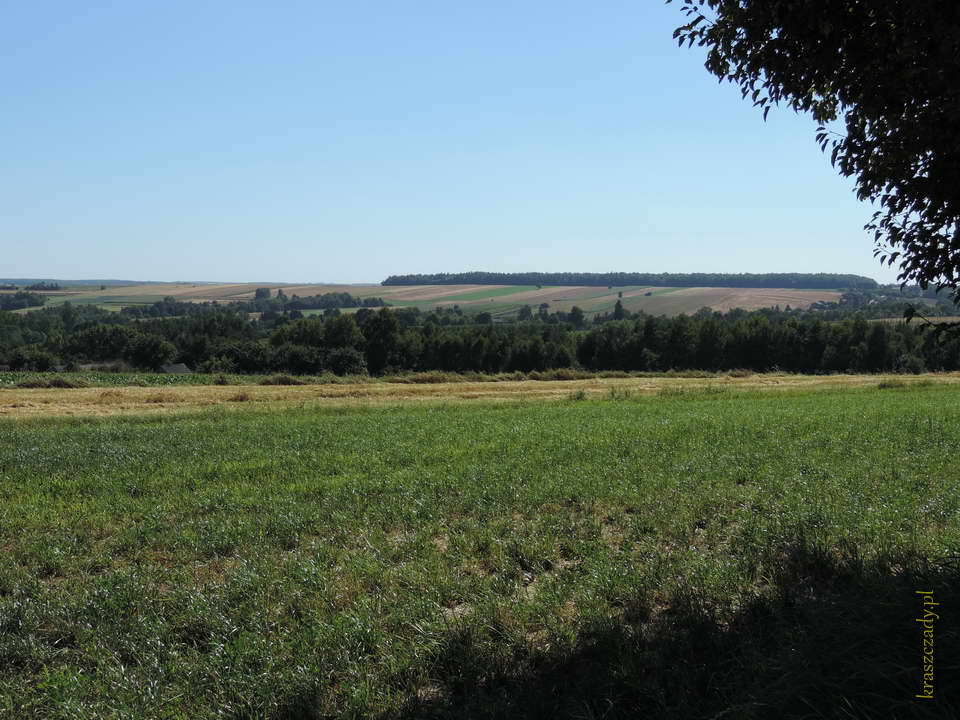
{"points": [[836, 638]]}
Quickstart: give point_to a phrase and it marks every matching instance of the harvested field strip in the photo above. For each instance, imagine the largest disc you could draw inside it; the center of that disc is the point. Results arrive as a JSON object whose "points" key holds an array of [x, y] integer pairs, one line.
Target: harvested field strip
{"points": [[550, 294], [418, 293], [24, 402]]}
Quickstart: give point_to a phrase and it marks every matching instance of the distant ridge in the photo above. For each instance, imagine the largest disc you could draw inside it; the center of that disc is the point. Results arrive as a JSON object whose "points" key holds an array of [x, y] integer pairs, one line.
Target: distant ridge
{"points": [[797, 281], [108, 283]]}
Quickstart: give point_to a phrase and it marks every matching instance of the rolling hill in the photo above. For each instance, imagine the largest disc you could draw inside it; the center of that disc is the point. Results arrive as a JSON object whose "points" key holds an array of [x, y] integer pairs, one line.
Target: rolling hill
{"points": [[497, 299]]}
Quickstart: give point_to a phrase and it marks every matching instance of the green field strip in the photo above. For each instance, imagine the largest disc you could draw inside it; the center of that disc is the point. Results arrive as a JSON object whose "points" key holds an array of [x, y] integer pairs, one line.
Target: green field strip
{"points": [[105, 299], [664, 291], [601, 307], [485, 294], [590, 295], [314, 312]]}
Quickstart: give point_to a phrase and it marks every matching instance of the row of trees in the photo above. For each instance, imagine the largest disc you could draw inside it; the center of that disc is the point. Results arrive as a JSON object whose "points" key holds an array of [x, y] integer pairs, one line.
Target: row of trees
{"points": [[385, 341], [44, 286], [619, 279], [764, 341], [21, 300], [262, 302]]}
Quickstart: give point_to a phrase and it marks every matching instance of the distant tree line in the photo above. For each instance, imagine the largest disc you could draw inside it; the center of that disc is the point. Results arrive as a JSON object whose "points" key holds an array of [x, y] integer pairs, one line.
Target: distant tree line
{"points": [[332, 300], [262, 302], [21, 300], [43, 286], [388, 341], [766, 340], [813, 281]]}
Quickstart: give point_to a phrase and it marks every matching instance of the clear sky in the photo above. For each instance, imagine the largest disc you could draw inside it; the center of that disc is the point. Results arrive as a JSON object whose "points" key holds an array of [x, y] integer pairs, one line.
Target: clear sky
{"points": [[324, 141]]}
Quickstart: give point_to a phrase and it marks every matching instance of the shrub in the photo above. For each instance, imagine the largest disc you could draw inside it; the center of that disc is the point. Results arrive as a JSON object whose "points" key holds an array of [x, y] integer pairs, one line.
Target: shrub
{"points": [[34, 383], [248, 356], [346, 361], [101, 342], [620, 393], [218, 364], [298, 359], [67, 383], [890, 384], [115, 367], [910, 363], [281, 380], [559, 374], [613, 374], [149, 351], [431, 376], [54, 382], [31, 359]]}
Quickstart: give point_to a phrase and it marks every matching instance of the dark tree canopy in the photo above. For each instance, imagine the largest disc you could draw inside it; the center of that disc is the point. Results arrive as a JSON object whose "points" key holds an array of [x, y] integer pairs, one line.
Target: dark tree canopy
{"points": [[889, 70]]}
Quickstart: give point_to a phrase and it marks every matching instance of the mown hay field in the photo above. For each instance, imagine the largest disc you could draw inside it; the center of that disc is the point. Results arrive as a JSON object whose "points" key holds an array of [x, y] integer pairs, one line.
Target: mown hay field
{"points": [[104, 394], [689, 553]]}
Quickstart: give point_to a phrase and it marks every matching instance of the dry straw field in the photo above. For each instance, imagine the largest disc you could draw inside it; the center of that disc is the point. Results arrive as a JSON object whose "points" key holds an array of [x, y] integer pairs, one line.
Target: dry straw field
{"points": [[109, 401]]}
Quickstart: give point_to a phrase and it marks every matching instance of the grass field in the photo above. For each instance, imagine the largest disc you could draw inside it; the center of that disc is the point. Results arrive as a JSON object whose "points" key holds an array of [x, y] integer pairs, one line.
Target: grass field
{"points": [[498, 299], [683, 553]]}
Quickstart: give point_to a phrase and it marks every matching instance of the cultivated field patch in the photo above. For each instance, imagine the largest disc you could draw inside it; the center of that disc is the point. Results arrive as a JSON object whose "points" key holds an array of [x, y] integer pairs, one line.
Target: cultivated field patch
{"points": [[689, 300]]}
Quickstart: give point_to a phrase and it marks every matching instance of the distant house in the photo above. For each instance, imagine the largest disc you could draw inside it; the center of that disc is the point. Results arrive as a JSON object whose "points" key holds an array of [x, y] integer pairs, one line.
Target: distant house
{"points": [[176, 369]]}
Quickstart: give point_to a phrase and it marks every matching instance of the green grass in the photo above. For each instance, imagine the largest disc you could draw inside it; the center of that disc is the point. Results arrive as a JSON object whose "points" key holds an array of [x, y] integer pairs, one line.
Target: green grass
{"points": [[666, 291], [485, 294], [96, 299], [474, 295], [635, 301], [695, 555]]}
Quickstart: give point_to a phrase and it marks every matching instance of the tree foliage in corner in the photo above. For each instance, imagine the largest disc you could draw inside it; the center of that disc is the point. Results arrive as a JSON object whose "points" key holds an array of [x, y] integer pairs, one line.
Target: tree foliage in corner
{"points": [[889, 69]]}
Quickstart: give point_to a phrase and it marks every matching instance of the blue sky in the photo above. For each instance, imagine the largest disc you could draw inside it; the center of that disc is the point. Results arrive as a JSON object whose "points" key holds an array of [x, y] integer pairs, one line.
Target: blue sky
{"points": [[342, 142]]}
